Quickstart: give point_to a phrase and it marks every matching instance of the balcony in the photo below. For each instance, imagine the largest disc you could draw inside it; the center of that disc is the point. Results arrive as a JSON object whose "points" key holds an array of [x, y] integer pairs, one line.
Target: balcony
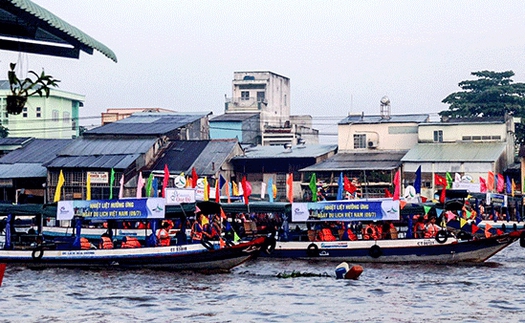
{"points": [[244, 104]]}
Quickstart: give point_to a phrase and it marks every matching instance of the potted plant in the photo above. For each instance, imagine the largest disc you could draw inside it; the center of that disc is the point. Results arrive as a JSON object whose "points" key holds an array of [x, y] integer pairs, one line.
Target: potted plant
{"points": [[22, 89]]}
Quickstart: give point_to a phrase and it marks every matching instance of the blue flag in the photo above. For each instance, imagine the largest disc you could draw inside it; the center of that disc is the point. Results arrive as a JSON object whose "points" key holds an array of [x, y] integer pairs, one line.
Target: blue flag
{"points": [[270, 189], [222, 181], [509, 186], [155, 187], [417, 182], [340, 187]]}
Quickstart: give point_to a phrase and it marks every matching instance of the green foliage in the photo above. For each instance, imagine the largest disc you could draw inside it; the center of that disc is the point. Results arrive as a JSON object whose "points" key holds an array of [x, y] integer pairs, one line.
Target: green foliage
{"points": [[493, 94], [23, 88]]}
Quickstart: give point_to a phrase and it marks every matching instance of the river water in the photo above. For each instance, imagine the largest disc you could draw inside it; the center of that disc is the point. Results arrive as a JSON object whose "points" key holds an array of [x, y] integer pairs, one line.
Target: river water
{"points": [[492, 292]]}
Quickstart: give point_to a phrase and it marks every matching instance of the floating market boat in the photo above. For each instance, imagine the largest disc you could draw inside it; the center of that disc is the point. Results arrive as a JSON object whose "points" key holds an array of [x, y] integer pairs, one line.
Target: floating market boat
{"points": [[77, 252]]}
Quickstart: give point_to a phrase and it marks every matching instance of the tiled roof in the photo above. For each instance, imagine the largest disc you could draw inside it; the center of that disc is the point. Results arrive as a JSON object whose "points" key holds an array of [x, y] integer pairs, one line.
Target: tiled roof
{"points": [[377, 160]]}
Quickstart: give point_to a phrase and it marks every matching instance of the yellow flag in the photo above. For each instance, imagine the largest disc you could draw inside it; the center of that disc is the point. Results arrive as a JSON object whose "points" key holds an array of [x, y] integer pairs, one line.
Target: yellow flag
{"points": [[235, 189], [58, 190], [513, 187], [88, 187], [206, 188], [462, 222], [274, 190]]}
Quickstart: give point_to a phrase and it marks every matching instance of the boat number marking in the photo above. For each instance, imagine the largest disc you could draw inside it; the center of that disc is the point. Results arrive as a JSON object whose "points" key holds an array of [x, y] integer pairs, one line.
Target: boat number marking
{"points": [[177, 249], [426, 243]]}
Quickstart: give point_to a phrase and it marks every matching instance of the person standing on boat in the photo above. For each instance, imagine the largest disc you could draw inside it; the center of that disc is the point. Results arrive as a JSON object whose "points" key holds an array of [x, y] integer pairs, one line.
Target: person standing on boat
{"points": [[419, 228], [163, 235], [432, 228]]}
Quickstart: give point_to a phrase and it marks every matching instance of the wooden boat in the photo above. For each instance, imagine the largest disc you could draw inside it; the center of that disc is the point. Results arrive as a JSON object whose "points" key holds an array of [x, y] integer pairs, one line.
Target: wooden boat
{"points": [[76, 252]]}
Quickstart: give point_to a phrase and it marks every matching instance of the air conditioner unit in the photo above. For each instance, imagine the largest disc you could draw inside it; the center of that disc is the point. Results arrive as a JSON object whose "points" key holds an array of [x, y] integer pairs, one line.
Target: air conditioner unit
{"points": [[372, 144]]}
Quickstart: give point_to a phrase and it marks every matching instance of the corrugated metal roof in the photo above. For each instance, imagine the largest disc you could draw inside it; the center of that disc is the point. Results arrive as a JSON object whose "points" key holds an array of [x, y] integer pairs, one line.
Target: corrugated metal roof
{"points": [[456, 152], [146, 124], [307, 151], [377, 160], [10, 141], [22, 170], [205, 155], [404, 118], [103, 146], [48, 21], [229, 117], [37, 151], [93, 162]]}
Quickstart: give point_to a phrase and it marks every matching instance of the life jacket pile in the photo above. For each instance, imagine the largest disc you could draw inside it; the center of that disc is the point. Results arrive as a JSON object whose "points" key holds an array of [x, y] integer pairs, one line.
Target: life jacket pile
{"points": [[84, 243], [370, 232], [326, 235], [105, 243], [130, 242]]}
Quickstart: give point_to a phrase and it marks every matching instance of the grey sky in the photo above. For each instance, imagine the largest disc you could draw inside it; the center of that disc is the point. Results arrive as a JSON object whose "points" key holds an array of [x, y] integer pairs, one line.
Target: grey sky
{"points": [[341, 56]]}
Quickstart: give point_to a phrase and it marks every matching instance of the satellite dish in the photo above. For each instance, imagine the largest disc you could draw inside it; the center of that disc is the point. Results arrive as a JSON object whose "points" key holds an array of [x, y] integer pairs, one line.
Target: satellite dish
{"points": [[410, 192], [385, 100]]}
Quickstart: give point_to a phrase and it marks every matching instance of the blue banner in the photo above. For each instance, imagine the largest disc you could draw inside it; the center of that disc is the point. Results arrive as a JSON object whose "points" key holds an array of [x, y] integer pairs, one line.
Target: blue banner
{"points": [[126, 209], [355, 210]]}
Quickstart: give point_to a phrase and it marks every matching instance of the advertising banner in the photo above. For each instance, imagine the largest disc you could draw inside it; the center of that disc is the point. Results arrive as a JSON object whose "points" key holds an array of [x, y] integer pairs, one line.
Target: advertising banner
{"points": [[125, 209], [356, 210], [176, 196]]}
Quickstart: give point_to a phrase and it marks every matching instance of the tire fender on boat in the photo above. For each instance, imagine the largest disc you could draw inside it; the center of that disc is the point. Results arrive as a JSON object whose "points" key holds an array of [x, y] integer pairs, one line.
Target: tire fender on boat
{"points": [[522, 239], [462, 235], [269, 245], [207, 244], [442, 236], [375, 251], [38, 253], [312, 250]]}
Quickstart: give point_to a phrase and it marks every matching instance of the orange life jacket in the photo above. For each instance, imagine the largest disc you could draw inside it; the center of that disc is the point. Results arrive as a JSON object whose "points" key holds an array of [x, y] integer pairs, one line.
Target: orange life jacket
{"points": [[105, 243], [432, 230], [164, 237], [196, 231], [370, 232], [351, 235], [130, 242], [326, 235], [84, 243], [419, 230]]}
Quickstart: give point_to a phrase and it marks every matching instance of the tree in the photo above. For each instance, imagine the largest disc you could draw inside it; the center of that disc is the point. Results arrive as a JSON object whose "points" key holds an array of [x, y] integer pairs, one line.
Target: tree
{"points": [[493, 94]]}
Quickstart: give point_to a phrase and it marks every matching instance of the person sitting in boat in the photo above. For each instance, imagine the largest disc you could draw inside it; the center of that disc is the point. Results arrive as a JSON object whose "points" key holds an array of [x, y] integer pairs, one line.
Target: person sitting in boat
{"points": [[419, 228], [348, 234], [197, 231], [213, 229], [432, 228], [163, 236], [370, 232]]}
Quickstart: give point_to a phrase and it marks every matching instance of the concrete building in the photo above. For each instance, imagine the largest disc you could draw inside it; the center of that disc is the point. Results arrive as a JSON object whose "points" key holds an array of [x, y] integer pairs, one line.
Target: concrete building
{"points": [[55, 117], [116, 114]]}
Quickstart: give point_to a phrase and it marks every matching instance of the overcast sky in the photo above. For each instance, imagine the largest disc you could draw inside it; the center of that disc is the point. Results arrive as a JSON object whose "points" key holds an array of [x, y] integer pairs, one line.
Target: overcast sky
{"points": [[341, 56]]}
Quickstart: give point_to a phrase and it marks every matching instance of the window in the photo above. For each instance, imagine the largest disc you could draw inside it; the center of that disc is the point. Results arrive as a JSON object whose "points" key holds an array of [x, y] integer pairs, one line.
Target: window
{"points": [[24, 113], [38, 112], [359, 141], [438, 136], [260, 96], [66, 117], [245, 95], [54, 115]]}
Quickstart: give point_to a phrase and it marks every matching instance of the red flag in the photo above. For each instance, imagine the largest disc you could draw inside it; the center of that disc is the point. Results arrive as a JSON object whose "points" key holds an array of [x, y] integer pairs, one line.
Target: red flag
{"points": [[289, 187], [397, 186], [501, 184], [443, 195], [348, 186], [217, 191], [487, 230], [482, 185], [475, 228], [499, 232], [490, 181], [387, 193], [440, 180], [247, 189], [194, 178], [223, 215], [166, 179]]}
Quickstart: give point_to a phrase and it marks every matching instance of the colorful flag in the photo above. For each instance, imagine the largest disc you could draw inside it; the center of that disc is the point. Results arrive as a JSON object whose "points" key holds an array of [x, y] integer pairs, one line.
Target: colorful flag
{"points": [[490, 181], [121, 190], [501, 184], [289, 187], [270, 190], [222, 181], [449, 180], [508, 186], [274, 191], [263, 189], [235, 189], [457, 178], [397, 185], [340, 187], [512, 187], [140, 185], [246, 188], [88, 187], [58, 190], [482, 185], [111, 182], [228, 192], [149, 185], [313, 187], [348, 186], [155, 187], [166, 179], [217, 190], [206, 189], [440, 180], [417, 182], [443, 196], [194, 178], [387, 193]]}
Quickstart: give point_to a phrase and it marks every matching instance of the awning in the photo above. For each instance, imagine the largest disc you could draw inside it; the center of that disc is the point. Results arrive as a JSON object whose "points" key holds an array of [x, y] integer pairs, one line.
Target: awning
{"points": [[27, 27]]}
